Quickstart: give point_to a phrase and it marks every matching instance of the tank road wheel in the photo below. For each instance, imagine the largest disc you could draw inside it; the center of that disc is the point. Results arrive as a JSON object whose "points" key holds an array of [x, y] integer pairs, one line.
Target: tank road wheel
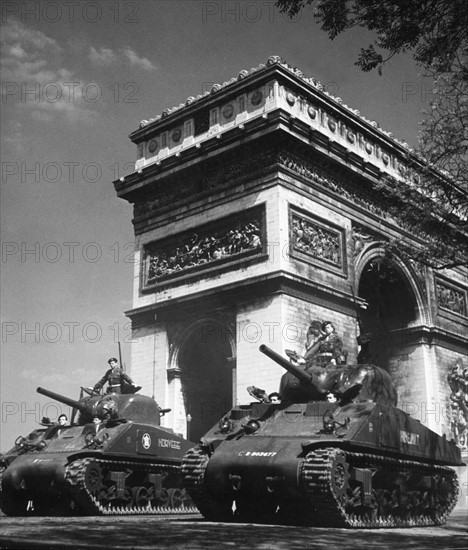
{"points": [[140, 497], [385, 503], [93, 479], [445, 497], [187, 501], [339, 476], [358, 509], [176, 498], [163, 500]]}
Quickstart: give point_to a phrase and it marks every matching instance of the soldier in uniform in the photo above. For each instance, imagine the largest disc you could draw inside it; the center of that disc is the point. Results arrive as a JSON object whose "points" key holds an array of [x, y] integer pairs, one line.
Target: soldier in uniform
{"points": [[324, 346], [115, 377]]}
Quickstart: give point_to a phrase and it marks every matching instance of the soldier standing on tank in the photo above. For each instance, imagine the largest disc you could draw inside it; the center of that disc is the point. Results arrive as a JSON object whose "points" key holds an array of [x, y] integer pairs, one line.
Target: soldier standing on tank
{"points": [[332, 346], [115, 377], [324, 347]]}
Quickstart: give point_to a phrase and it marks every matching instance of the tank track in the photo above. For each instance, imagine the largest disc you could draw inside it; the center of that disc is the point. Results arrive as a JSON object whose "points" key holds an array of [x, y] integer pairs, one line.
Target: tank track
{"points": [[325, 479], [193, 469], [80, 485]]}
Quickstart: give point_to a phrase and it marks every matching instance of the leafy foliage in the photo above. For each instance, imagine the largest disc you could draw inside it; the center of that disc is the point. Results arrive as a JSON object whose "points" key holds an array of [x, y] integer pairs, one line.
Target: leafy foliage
{"points": [[436, 33]]}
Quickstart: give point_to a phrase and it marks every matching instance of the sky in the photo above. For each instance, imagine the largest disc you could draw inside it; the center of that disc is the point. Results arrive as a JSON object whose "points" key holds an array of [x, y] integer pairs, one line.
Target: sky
{"points": [[77, 79]]}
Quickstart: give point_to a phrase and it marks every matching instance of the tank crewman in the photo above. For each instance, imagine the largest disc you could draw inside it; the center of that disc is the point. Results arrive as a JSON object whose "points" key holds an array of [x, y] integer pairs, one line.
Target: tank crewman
{"points": [[274, 397], [324, 347], [115, 377], [62, 420]]}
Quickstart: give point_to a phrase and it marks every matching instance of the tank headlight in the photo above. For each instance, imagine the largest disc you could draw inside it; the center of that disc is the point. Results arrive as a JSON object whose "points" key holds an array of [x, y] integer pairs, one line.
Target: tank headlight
{"points": [[251, 426], [328, 422]]}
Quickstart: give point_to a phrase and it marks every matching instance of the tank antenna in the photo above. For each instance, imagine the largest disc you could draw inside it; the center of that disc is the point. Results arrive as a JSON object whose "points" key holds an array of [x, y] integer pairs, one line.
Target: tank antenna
{"points": [[120, 358]]}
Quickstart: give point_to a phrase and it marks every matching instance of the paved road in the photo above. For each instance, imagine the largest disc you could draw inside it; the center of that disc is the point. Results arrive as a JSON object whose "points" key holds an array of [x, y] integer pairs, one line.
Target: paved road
{"points": [[193, 533]]}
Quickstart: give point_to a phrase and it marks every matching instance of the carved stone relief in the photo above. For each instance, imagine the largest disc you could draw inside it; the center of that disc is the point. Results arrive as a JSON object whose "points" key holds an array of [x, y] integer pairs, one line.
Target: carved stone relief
{"points": [[420, 271], [451, 299], [361, 238], [458, 382], [229, 238], [315, 240]]}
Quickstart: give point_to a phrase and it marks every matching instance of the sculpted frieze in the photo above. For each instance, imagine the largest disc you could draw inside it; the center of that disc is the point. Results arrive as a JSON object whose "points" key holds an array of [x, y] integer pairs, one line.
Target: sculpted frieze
{"points": [[315, 240], [322, 175], [228, 239], [458, 382], [361, 238], [246, 161], [450, 298]]}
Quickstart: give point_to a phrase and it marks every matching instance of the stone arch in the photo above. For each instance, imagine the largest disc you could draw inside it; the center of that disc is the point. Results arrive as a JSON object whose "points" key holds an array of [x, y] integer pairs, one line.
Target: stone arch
{"points": [[202, 364], [395, 302]]}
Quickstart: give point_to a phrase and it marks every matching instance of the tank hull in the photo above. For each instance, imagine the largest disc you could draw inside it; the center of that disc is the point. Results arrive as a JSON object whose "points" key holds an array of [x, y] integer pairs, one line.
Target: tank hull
{"points": [[358, 465], [108, 468]]}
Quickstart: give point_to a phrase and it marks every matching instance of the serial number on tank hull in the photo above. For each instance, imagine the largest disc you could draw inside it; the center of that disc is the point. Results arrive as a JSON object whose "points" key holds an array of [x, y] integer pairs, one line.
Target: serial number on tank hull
{"points": [[257, 453]]}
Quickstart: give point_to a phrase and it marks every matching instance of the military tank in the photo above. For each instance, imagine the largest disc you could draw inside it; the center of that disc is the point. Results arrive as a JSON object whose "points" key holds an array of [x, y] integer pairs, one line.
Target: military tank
{"points": [[356, 462], [114, 458]]}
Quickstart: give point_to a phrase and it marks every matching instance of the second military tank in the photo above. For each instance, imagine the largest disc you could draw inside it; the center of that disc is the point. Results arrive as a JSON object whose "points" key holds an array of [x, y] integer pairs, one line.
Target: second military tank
{"points": [[115, 458], [336, 451]]}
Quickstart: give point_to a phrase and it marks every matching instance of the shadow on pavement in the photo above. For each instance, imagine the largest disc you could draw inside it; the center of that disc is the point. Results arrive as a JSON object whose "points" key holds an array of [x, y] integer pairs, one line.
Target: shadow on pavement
{"points": [[149, 532]]}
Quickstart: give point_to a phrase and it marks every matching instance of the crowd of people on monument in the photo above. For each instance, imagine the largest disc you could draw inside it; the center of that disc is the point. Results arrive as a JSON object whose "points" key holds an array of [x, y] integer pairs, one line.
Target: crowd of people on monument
{"points": [[203, 250]]}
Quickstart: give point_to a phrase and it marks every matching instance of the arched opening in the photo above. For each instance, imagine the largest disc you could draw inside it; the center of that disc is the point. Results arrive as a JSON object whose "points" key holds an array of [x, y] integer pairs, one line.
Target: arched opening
{"points": [[206, 373], [391, 308]]}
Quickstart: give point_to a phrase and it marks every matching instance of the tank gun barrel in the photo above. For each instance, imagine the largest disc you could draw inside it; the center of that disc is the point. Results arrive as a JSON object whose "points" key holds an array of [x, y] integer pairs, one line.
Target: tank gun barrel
{"points": [[62, 399], [290, 367]]}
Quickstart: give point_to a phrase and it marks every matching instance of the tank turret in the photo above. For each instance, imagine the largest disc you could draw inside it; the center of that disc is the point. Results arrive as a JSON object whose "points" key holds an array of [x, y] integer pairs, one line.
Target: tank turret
{"points": [[116, 458], [335, 451], [123, 407], [354, 382]]}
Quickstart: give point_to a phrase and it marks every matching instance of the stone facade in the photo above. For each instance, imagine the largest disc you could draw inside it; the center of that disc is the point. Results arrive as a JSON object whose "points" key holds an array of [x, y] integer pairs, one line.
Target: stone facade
{"points": [[256, 212]]}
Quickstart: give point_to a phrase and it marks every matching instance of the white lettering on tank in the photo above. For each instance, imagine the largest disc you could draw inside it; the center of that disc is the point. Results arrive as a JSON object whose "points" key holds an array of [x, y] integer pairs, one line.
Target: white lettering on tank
{"points": [[409, 438], [168, 443], [257, 453]]}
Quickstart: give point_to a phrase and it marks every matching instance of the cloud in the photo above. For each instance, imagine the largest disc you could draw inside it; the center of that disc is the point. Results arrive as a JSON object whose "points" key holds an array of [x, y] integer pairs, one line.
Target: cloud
{"points": [[136, 61], [35, 79], [104, 56], [107, 57]]}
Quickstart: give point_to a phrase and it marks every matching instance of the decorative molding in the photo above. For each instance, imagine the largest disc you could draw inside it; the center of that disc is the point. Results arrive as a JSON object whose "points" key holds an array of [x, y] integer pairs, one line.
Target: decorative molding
{"points": [[173, 372], [361, 238], [321, 173], [315, 240], [421, 275], [215, 173], [232, 238], [246, 161], [451, 298]]}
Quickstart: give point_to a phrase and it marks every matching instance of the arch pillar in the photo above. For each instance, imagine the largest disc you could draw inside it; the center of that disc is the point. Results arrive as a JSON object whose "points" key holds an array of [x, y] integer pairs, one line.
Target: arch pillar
{"points": [[201, 363], [399, 315]]}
